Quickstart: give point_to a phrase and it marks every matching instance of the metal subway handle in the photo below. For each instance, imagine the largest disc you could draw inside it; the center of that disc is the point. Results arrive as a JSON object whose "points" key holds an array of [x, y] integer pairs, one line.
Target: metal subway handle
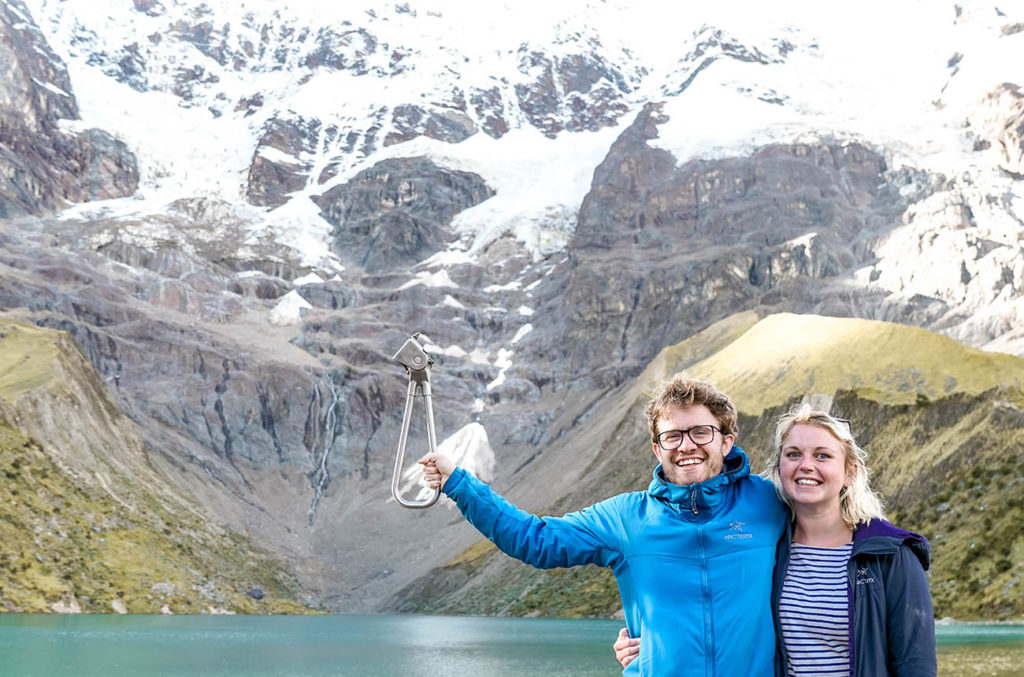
{"points": [[417, 364]]}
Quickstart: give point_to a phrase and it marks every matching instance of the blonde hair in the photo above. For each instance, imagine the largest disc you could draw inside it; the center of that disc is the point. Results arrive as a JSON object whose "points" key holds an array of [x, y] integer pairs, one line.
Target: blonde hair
{"points": [[858, 503], [683, 391]]}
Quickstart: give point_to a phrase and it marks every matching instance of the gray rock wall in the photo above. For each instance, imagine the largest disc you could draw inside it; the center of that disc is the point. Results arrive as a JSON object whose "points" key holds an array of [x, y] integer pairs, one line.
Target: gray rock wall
{"points": [[41, 166], [398, 212]]}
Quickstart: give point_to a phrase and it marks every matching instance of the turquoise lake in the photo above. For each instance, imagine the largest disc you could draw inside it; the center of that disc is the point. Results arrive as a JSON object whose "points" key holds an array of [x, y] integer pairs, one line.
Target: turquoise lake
{"points": [[314, 646]]}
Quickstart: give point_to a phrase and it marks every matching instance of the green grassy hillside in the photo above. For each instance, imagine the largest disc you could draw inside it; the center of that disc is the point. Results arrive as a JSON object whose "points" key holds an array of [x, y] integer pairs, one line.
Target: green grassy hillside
{"points": [[26, 358], [785, 355], [81, 533], [943, 424]]}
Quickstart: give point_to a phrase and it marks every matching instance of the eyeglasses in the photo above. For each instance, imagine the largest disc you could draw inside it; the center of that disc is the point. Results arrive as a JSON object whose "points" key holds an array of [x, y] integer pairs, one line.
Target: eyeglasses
{"points": [[846, 422], [671, 440]]}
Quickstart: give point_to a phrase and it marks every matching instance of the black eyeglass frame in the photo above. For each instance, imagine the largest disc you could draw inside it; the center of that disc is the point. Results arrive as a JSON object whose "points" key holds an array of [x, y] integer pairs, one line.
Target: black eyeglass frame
{"points": [[685, 434]]}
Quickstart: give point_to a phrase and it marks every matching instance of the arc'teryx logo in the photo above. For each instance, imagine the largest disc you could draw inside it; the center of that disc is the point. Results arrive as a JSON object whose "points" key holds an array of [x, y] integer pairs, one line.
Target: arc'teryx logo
{"points": [[736, 531], [863, 577]]}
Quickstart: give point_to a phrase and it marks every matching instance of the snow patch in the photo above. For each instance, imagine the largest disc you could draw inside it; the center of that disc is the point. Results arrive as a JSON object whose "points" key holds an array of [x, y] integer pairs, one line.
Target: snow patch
{"points": [[523, 331], [434, 349], [449, 257], [904, 92], [511, 286], [311, 278], [277, 156], [289, 309], [503, 363], [51, 87], [451, 302], [427, 279], [298, 224], [479, 356]]}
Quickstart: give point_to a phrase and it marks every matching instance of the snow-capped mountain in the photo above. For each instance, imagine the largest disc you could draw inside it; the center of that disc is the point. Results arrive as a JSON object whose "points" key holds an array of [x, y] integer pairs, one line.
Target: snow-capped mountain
{"points": [[328, 90], [273, 197]]}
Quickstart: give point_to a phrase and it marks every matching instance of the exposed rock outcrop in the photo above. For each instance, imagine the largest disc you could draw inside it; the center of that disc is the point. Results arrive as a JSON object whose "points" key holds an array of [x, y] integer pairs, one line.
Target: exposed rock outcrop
{"points": [[999, 125], [398, 212], [279, 165], [576, 92], [43, 167], [675, 248], [449, 125]]}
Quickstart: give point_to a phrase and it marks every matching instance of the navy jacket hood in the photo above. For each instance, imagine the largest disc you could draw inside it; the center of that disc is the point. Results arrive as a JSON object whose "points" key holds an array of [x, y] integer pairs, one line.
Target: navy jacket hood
{"points": [[880, 537]]}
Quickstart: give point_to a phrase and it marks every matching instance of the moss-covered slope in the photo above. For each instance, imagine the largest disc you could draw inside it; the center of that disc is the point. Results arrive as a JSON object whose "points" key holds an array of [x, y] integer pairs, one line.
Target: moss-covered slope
{"points": [[785, 355], [943, 423], [85, 522]]}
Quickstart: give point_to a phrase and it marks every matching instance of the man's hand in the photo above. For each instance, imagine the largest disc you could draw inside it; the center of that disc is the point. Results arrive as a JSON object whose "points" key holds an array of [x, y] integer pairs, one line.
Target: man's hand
{"points": [[626, 648], [436, 469]]}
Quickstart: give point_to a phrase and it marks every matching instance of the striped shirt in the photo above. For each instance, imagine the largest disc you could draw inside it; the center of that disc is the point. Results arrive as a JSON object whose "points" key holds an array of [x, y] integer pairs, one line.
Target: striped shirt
{"points": [[813, 611]]}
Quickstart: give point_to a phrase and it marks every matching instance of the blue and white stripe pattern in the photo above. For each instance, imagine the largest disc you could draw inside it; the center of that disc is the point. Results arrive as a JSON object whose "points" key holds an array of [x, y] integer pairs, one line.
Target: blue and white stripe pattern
{"points": [[813, 611]]}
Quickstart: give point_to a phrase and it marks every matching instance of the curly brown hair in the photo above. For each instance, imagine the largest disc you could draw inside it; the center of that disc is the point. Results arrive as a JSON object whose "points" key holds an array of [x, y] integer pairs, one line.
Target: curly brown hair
{"points": [[684, 391]]}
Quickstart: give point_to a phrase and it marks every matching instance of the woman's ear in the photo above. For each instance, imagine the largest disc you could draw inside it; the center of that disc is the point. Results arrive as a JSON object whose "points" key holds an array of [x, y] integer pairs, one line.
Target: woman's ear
{"points": [[851, 474]]}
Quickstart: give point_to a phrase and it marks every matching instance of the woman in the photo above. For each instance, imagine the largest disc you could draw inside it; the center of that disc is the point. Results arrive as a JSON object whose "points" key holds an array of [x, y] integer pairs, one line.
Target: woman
{"points": [[850, 594]]}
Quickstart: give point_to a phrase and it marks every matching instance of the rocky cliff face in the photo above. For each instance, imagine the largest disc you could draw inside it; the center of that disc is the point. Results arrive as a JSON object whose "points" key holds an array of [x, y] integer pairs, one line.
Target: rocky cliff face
{"points": [[88, 522], [43, 167], [680, 246], [397, 213]]}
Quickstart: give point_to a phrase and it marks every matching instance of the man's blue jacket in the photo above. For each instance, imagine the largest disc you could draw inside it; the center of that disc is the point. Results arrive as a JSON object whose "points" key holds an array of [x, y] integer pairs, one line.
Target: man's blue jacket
{"points": [[693, 563]]}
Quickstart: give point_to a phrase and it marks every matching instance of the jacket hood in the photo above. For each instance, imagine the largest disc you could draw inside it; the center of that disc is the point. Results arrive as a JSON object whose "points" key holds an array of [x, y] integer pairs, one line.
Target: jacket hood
{"points": [[706, 495], [879, 536]]}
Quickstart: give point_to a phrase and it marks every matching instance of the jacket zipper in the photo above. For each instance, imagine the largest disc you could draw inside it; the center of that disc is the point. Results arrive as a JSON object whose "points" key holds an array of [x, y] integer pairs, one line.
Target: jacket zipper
{"points": [[851, 588], [705, 584]]}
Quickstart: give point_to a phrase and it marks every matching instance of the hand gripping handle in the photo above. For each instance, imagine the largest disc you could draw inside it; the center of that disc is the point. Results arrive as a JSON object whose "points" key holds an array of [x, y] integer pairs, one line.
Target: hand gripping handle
{"points": [[417, 364]]}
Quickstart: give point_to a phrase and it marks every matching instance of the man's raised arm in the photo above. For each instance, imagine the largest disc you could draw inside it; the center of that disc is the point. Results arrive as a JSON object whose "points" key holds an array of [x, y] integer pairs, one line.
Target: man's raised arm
{"points": [[591, 536]]}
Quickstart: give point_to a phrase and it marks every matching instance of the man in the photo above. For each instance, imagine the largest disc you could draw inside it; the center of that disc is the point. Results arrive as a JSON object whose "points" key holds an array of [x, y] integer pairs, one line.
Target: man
{"points": [[692, 555]]}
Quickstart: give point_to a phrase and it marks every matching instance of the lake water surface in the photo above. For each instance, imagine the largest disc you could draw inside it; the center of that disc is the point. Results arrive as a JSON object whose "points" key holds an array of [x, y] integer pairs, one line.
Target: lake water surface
{"points": [[343, 645]]}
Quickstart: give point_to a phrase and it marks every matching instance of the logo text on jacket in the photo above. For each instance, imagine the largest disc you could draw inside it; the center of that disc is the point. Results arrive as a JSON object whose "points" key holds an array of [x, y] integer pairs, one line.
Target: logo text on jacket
{"points": [[736, 531], [864, 577]]}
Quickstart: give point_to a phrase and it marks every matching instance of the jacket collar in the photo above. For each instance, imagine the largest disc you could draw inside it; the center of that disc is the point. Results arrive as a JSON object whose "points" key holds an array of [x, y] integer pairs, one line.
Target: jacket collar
{"points": [[880, 537], [706, 495]]}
